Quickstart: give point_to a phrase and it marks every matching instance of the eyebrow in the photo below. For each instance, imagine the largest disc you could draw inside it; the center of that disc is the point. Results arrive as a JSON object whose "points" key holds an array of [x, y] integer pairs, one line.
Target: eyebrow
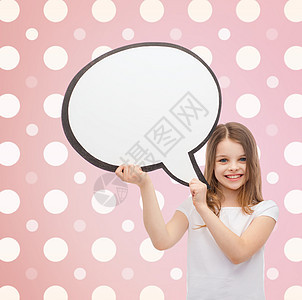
{"points": [[224, 155]]}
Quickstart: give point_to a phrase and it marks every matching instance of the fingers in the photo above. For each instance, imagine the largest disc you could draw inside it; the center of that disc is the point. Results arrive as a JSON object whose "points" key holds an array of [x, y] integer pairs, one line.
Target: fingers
{"points": [[129, 173], [196, 186]]}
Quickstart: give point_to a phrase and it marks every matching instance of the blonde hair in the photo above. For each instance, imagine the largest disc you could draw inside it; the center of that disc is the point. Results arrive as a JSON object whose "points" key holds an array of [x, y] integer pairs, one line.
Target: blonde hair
{"points": [[250, 193]]}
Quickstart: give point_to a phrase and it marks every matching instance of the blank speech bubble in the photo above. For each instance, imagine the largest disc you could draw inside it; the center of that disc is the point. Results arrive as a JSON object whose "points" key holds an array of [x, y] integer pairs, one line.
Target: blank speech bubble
{"points": [[149, 104]]}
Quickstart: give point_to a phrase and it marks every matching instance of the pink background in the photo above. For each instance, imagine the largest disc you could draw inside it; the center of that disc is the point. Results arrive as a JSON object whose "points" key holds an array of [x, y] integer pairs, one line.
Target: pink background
{"points": [[274, 120]]}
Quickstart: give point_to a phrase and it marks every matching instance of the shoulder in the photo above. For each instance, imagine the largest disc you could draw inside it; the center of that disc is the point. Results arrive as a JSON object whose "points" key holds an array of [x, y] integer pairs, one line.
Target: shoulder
{"points": [[186, 206], [266, 208]]}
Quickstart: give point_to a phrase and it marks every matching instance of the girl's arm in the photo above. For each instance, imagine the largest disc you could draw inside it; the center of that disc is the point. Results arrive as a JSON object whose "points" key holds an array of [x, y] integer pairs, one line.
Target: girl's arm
{"points": [[163, 236], [237, 248]]}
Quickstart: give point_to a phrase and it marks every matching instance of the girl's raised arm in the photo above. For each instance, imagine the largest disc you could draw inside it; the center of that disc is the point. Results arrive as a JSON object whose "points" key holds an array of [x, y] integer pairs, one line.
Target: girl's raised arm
{"points": [[163, 236]]}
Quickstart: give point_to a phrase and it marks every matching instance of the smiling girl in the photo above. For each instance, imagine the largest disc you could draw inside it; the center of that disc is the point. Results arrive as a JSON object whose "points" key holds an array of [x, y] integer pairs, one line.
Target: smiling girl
{"points": [[227, 225]]}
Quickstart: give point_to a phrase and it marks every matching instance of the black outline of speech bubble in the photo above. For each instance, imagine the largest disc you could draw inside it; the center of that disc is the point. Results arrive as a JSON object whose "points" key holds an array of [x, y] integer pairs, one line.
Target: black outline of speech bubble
{"points": [[108, 167]]}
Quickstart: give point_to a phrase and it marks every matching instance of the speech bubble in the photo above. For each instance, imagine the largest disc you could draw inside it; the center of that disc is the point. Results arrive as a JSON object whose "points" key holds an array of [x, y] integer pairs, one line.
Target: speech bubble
{"points": [[150, 104]]}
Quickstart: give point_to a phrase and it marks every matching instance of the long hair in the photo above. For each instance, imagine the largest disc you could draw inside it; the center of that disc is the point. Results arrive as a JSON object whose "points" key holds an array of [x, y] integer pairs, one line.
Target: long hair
{"points": [[250, 192]]}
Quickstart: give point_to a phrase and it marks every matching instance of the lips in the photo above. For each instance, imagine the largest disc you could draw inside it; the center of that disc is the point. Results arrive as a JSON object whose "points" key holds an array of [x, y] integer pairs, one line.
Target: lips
{"points": [[234, 176]]}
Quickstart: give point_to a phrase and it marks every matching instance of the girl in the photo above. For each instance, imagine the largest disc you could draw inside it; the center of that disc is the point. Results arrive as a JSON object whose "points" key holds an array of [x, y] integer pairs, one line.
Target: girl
{"points": [[227, 225]]}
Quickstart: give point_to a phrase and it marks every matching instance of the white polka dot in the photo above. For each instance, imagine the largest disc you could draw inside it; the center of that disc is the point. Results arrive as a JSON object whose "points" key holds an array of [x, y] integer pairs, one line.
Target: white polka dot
{"points": [[79, 177], [79, 34], [128, 225], [100, 51], [204, 53], [160, 200], [32, 34], [103, 10], [176, 273], [53, 105], [105, 198], [9, 10], [55, 292], [9, 153], [248, 10], [128, 34], [224, 34], [79, 225], [9, 201], [9, 58], [151, 10], [293, 10], [55, 201], [8, 292], [148, 252], [31, 273], [272, 177], [79, 273], [248, 58], [173, 181], [9, 249], [55, 249], [55, 10], [151, 292], [32, 225], [293, 58], [32, 129], [175, 34], [55, 154], [293, 293], [293, 249], [224, 81], [55, 58], [9, 106], [272, 273], [292, 154], [127, 273], [292, 201], [272, 82], [103, 292], [293, 105], [271, 129], [103, 249], [248, 106], [200, 10], [97, 202], [31, 177], [272, 34]]}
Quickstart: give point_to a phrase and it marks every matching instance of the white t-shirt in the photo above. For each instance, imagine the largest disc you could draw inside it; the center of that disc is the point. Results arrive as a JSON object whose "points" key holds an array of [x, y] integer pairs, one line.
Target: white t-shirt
{"points": [[210, 274]]}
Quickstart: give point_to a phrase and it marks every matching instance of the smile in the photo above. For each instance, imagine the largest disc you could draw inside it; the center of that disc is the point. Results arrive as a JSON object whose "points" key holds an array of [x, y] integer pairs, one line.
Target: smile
{"points": [[236, 176]]}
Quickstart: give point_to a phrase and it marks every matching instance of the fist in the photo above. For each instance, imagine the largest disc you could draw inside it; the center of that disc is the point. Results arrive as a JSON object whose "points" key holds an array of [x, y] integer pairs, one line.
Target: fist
{"points": [[131, 174], [199, 193]]}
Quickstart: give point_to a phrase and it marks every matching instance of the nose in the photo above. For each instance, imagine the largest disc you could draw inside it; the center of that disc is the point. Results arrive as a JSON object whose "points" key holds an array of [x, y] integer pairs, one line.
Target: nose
{"points": [[233, 166]]}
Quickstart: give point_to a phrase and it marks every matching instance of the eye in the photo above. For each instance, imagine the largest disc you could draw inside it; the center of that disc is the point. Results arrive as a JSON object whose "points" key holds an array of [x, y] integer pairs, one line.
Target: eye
{"points": [[242, 159], [223, 160]]}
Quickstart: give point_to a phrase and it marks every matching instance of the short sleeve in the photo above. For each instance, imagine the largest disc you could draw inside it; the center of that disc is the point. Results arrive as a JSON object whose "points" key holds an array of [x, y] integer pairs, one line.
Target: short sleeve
{"points": [[267, 208], [186, 207]]}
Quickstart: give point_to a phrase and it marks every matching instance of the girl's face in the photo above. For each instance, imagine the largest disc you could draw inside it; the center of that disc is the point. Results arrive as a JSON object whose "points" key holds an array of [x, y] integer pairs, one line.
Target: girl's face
{"points": [[230, 165]]}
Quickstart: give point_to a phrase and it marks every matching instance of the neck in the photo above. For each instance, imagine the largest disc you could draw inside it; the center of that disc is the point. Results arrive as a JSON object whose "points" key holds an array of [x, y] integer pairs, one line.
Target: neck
{"points": [[230, 197]]}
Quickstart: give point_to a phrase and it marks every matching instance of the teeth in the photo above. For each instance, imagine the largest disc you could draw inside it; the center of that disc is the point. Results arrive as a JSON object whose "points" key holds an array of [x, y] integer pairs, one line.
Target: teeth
{"points": [[233, 176]]}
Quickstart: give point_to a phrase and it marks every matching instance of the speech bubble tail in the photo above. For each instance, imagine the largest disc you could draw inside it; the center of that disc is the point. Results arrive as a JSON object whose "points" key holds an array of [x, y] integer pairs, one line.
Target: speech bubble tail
{"points": [[184, 170]]}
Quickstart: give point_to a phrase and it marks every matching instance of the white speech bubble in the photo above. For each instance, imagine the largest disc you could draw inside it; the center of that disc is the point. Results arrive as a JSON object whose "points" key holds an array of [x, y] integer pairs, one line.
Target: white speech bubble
{"points": [[149, 104]]}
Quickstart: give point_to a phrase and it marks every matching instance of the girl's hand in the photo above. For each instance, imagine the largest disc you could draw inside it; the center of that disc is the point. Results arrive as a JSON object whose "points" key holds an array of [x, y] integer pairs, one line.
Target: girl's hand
{"points": [[132, 174], [199, 194]]}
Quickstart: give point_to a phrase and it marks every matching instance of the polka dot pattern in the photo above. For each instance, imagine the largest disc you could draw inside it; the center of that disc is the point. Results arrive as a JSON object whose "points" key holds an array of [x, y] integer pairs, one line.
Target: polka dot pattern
{"points": [[9, 106], [9, 201], [248, 58], [54, 221], [9, 58], [55, 249]]}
